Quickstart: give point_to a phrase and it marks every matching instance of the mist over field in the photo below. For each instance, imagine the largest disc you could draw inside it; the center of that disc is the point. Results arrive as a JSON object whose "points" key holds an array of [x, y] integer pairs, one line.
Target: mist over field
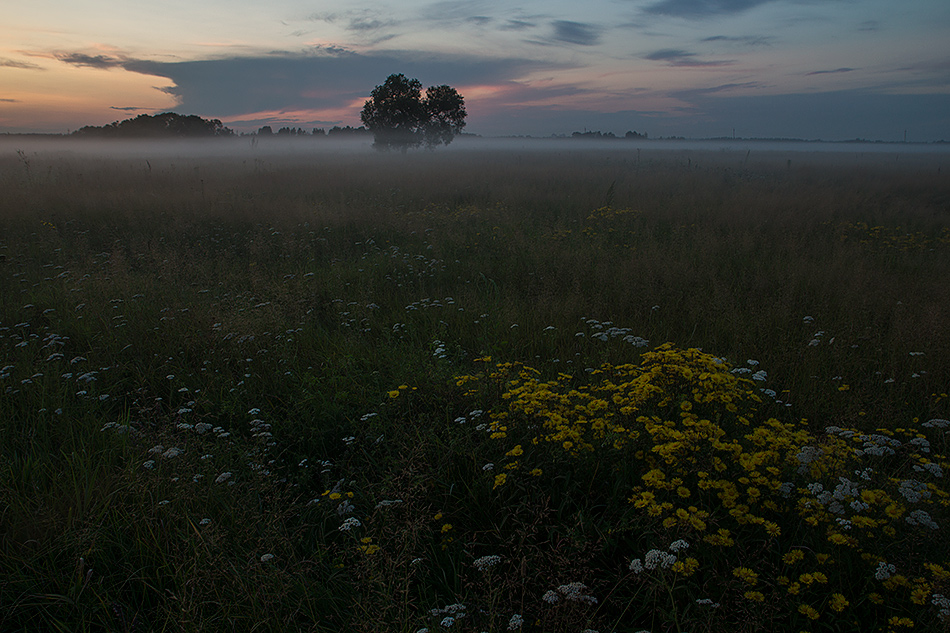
{"points": [[545, 385]]}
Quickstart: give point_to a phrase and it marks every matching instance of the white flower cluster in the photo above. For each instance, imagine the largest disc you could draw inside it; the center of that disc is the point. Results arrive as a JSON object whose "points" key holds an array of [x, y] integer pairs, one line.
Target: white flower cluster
{"points": [[657, 558], [884, 571], [515, 622], [604, 331], [706, 602], [921, 517], [930, 467], [941, 602], [913, 490], [576, 592], [349, 524], [936, 423], [486, 562], [550, 596]]}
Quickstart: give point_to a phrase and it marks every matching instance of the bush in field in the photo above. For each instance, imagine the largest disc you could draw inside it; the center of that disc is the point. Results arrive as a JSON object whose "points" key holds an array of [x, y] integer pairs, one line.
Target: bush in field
{"points": [[724, 514]]}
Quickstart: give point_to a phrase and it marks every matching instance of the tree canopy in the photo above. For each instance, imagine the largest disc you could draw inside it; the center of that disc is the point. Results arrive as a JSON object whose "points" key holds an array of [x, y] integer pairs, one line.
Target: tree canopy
{"points": [[166, 124], [400, 116]]}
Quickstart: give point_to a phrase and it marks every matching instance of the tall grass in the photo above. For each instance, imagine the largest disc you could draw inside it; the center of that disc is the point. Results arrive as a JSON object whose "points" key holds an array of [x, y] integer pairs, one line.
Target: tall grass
{"points": [[208, 366]]}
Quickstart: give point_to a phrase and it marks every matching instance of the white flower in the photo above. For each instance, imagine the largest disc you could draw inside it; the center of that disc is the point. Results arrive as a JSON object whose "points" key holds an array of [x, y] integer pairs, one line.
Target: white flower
{"points": [[349, 524], [172, 452], [267, 557], [448, 621], [486, 562], [515, 622], [150, 464], [550, 596], [636, 566], [223, 477], [676, 546]]}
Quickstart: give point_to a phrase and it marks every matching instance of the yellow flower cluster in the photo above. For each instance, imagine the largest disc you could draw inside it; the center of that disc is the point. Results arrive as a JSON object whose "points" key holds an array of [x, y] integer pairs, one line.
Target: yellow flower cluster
{"points": [[685, 433]]}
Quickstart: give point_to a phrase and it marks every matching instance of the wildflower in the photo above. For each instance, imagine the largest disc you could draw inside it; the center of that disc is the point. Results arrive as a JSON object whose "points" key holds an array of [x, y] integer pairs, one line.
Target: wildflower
{"points": [[448, 621], [755, 596], [838, 602], [515, 622], [747, 575], [676, 546], [486, 562], [349, 524], [550, 596], [223, 477], [636, 565], [204, 521], [267, 557], [808, 611]]}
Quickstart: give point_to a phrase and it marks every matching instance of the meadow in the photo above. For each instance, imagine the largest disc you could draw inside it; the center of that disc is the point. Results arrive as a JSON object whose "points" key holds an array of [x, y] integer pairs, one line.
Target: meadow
{"points": [[577, 389]]}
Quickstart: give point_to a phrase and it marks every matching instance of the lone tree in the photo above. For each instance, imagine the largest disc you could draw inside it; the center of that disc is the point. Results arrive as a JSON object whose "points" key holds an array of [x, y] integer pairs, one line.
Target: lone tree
{"points": [[400, 117]]}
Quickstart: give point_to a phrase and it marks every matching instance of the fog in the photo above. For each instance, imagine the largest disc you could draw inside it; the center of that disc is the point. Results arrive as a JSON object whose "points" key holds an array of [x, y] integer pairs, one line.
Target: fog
{"points": [[746, 153]]}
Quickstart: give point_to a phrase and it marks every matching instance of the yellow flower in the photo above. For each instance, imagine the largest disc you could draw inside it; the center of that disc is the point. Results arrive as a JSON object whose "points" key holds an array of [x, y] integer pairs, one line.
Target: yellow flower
{"points": [[536, 472], [682, 491], [838, 539], [500, 480], [394, 393], [746, 574], [446, 527], [808, 612], [755, 596], [876, 598], [335, 495], [838, 602], [794, 588], [896, 621], [515, 452], [793, 557]]}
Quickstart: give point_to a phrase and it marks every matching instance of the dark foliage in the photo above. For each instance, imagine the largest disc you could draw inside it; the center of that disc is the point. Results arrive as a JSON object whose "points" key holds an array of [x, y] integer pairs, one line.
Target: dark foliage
{"points": [[164, 125], [400, 117]]}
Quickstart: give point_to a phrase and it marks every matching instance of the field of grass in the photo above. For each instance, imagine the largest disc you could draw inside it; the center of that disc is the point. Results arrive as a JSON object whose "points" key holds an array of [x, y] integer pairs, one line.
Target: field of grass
{"points": [[559, 390]]}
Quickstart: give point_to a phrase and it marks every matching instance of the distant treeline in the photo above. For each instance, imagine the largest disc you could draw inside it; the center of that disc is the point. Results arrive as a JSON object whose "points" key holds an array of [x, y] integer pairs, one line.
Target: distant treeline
{"points": [[164, 125], [598, 135], [335, 131]]}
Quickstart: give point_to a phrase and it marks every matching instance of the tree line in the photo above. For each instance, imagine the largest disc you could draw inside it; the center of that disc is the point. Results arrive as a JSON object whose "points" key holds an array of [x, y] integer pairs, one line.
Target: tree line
{"points": [[164, 125]]}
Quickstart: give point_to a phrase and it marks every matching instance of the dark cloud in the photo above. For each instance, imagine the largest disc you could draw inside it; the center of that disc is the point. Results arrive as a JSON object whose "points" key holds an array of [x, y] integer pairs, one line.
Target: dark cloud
{"points": [[130, 108], [576, 32], [10, 101], [695, 92], [454, 10], [678, 57], [830, 72], [12, 63], [746, 40], [516, 25], [368, 24], [702, 8], [243, 85], [91, 61]]}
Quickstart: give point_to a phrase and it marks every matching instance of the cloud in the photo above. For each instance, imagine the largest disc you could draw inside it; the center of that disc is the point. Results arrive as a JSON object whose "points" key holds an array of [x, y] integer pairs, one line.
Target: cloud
{"points": [[91, 61], [748, 40], [829, 72], [12, 63], [576, 33], [702, 8], [10, 101], [679, 57], [516, 25], [238, 86], [695, 92]]}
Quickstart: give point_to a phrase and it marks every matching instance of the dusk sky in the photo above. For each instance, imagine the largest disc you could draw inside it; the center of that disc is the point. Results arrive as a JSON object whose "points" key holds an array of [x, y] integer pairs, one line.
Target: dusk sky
{"points": [[829, 69]]}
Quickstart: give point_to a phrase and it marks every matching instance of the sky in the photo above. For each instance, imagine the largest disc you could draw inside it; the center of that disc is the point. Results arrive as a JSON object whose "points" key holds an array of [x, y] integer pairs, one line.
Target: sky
{"points": [[812, 69]]}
